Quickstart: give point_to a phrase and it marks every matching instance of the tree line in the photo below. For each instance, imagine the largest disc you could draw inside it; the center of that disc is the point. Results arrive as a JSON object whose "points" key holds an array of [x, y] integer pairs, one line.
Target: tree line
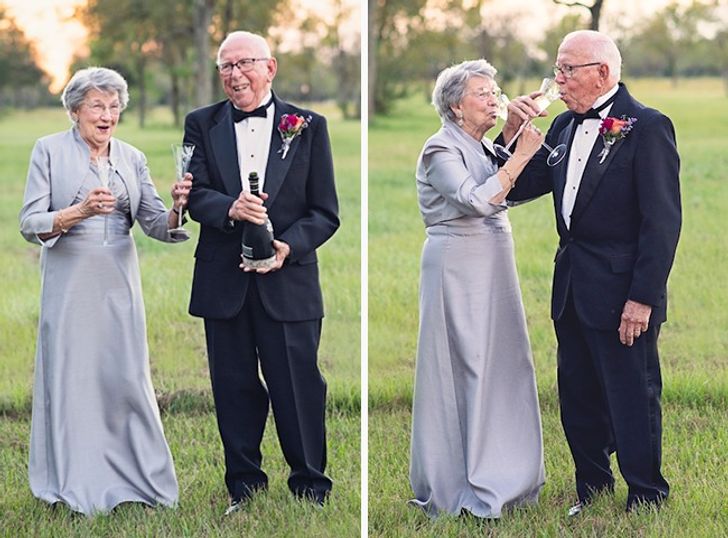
{"points": [[166, 51], [410, 41], [165, 48]]}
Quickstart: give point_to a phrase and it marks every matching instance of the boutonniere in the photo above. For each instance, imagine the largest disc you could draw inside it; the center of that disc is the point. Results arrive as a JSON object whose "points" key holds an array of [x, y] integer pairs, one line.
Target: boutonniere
{"points": [[613, 129], [290, 127]]}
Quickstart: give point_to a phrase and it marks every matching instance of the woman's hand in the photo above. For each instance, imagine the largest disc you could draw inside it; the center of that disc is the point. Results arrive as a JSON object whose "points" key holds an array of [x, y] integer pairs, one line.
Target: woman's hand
{"points": [[99, 201], [181, 192], [520, 110], [529, 142]]}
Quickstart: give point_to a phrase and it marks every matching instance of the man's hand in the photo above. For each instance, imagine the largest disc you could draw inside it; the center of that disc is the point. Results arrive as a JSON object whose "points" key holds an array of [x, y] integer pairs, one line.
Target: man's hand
{"points": [[282, 252], [249, 207], [635, 321]]}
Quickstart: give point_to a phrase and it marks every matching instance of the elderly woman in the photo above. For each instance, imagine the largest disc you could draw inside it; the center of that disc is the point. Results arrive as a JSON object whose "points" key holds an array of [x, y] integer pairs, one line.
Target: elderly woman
{"points": [[476, 429], [96, 435]]}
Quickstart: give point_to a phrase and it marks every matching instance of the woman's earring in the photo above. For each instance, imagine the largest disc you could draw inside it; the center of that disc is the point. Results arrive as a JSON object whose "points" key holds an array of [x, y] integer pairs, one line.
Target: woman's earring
{"points": [[460, 120]]}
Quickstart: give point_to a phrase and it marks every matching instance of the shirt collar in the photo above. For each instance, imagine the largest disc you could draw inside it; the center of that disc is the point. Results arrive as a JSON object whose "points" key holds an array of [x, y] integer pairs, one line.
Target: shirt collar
{"points": [[604, 98]]}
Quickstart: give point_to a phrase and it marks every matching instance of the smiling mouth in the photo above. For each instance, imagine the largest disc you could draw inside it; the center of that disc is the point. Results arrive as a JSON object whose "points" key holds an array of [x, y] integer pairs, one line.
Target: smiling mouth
{"points": [[240, 87]]}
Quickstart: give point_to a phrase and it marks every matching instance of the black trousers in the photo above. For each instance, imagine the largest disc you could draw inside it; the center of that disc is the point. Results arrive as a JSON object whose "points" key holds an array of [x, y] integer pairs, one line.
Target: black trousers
{"points": [[286, 353], [610, 401]]}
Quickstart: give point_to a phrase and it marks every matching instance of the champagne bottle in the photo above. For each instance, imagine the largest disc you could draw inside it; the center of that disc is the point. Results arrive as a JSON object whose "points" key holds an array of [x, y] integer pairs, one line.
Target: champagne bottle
{"points": [[258, 251]]}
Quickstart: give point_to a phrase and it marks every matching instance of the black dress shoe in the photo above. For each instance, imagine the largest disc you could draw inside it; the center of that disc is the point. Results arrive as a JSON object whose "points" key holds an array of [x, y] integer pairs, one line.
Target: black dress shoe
{"points": [[317, 498], [575, 510], [235, 506]]}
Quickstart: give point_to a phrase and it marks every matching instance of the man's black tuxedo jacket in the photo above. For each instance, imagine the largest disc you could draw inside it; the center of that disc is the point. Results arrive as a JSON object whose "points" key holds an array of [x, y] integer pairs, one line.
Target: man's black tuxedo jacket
{"points": [[625, 221], [302, 206]]}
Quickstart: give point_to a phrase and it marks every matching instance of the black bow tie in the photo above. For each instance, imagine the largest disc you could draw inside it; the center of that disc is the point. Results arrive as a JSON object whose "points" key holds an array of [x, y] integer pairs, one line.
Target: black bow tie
{"points": [[260, 112], [488, 153], [593, 113]]}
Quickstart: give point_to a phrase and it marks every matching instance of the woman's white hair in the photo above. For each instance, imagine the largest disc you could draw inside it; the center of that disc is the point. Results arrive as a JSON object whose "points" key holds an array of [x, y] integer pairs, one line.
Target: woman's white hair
{"points": [[451, 82], [601, 48], [93, 78]]}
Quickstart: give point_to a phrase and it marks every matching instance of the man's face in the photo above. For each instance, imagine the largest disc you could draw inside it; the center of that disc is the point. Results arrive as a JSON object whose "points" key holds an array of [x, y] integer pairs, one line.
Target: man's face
{"points": [[580, 86], [246, 88]]}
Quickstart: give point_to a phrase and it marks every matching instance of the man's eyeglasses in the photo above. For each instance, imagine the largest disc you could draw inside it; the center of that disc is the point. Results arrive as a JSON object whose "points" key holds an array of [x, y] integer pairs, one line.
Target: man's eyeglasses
{"points": [[98, 109], [484, 94], [244, 64], [568, 70]]}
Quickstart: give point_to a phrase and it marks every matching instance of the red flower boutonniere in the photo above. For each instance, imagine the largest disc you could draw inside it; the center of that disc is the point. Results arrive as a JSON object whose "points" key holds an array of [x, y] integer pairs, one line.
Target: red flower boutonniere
{"points": [[290, 127], [613, 129]]}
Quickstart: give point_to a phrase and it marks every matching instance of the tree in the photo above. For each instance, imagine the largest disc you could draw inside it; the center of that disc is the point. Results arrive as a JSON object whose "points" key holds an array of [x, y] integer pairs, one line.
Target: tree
{"points": [[19, 71], [121, 34], [721, 43], [392, 24], [595, 10], [203, 20], [665, 40], [346, 63], [173, 36], [554, 35], [499, 43]]}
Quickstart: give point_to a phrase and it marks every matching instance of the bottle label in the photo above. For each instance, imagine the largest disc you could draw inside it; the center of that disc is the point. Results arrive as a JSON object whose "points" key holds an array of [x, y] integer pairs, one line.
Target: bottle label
{"points": [[247, 251]]}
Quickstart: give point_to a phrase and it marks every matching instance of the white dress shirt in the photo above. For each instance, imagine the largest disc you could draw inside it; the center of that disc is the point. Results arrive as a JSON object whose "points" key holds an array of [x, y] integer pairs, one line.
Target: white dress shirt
{"points": [[581, 147], [252, 136]]}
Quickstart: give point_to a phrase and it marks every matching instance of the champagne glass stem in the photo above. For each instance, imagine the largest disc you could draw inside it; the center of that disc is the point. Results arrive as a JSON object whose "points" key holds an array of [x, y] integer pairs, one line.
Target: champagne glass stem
{"points": [[515, 136]]}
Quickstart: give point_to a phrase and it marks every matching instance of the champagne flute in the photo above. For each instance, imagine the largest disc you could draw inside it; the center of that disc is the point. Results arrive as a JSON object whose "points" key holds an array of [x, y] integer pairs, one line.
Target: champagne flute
{"points": [[503, 102], [182, 154], [104, 168], [550, 92]]}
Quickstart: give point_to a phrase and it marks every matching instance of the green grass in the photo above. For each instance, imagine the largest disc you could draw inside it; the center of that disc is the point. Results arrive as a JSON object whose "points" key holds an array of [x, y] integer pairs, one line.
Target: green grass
{"points": [[694, 452], [178, 357], [197, 452], [693, 344]]}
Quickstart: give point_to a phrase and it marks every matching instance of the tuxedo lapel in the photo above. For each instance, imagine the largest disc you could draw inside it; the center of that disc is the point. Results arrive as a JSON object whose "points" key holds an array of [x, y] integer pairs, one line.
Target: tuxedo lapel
{"points": [[594, 171], [277, 167], [222, 137]]}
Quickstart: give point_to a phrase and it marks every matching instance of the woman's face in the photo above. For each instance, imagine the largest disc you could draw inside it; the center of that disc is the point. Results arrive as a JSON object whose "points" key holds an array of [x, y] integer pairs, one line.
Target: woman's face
{"points": [[97, 118], [479, 106]]}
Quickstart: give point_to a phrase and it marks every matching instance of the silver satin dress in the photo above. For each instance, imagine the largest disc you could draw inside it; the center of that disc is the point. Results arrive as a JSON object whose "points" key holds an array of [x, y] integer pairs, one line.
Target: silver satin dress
{"points": [[96, 434], [476, 427]]}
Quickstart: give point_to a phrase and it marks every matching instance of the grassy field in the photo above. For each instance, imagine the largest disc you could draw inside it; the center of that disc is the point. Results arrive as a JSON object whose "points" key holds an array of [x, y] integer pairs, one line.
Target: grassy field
{"points": [[178, 360], [694, 342]]}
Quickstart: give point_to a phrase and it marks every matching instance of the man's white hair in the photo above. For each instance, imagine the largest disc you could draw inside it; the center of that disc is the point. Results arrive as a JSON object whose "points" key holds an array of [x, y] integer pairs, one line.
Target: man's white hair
{"points": [[240, 34], [601, 48]]}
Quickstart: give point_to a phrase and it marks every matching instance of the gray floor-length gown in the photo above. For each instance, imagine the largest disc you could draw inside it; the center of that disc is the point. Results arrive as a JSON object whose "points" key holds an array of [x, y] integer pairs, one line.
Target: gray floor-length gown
{"points": [[476, 428], [96, 434]]}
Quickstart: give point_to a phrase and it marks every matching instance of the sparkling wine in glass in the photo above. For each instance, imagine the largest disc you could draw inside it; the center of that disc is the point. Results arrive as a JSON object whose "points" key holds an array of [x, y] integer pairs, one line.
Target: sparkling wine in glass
{"points": [[182, 154], [503, 106], [550, 92], [105, 173]]}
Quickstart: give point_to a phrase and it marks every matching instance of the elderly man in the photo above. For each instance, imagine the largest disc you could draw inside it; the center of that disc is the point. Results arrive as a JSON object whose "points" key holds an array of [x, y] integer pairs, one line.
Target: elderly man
{"points": [[268, 317], [617, 204]]}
